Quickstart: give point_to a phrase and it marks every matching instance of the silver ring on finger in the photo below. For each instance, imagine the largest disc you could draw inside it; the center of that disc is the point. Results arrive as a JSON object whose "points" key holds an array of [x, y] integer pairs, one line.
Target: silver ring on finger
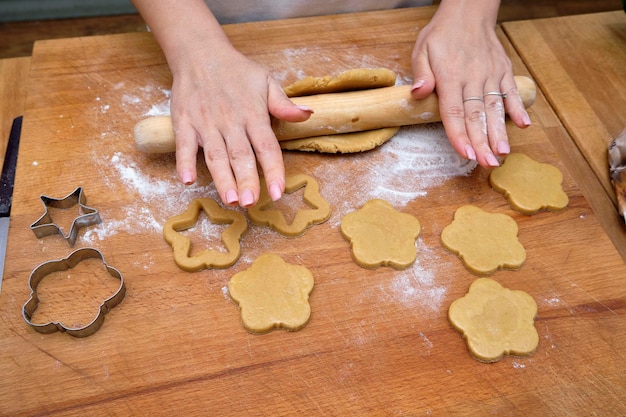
{"points": [[495, 93], [473, 98]]}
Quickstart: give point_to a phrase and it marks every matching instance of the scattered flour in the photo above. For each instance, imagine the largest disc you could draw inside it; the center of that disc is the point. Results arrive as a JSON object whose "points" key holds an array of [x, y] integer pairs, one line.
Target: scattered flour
{"points": [[417, 159]]}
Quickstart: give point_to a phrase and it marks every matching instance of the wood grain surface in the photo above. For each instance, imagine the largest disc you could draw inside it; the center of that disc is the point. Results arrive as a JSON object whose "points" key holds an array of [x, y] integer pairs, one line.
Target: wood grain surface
{"points": [[13, 85], [378, 342], [580, 64]]}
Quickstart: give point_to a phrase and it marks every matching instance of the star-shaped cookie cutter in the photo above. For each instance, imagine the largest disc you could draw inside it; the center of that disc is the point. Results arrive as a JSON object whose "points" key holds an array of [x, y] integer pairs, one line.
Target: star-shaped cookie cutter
{"points": [[45, 225], [65, 264]]}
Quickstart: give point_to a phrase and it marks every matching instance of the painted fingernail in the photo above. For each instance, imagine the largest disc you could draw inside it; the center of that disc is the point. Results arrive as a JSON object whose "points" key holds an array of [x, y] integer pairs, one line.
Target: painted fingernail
{"points": [[305, 108], [492, 160], [503, 148], [275, 192], [526, 119], [186, 178], [247, 198], [469, 151], [417, 85], [231, 197]]}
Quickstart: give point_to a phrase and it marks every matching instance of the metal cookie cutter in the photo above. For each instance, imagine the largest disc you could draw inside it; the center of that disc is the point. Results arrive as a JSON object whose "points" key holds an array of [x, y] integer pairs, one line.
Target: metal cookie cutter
{"points": [[65, 264], [44, 226]]}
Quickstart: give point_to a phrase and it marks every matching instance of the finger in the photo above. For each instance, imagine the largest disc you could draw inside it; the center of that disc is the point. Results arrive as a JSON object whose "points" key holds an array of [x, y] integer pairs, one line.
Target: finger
{"points": [[513, 103], [279, 105], [496, 124], [476, 125], [186, 152], [452, 111], [270, 158], [218, 163], [423, 77], [242, 162]]}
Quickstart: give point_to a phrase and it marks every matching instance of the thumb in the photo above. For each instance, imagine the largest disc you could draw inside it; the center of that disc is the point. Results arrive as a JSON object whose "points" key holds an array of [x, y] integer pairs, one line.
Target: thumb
{"points": [[423, 76], [282, 108]]}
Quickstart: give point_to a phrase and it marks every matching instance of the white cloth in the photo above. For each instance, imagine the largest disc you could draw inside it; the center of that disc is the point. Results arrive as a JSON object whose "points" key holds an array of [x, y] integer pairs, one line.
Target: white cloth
{"points": [[235, 11]]}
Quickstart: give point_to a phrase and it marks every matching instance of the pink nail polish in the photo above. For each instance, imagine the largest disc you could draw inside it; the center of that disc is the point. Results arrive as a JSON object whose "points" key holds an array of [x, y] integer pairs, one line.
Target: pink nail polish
{"points": [[247, 199], [469, 151], [492, 160], [275, 192], [526, 119], [417, 85], [231, 197], [503, 148], [305, 108], [186, 178]]}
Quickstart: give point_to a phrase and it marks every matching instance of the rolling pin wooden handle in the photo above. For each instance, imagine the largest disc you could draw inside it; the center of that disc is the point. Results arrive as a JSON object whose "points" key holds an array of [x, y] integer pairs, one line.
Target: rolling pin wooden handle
{"points": [[353, 111]]}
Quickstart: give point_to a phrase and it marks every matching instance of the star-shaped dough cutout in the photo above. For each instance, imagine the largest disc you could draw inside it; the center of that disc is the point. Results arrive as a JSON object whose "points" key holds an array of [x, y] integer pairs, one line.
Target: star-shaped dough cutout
{"points": [[484, 241], [381, 236], [495, 321], [263, 213], [181, 244], [272, 294], [528, 185]]}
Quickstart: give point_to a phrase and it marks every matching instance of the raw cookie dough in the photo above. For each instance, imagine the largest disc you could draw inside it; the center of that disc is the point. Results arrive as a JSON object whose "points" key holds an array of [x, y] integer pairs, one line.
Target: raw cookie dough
{"points": [[342, 143], [495, 321], [357, 79], [263, 213], [272, 294], [381, 236], [207, 258], [485, 242], [528, 185]]}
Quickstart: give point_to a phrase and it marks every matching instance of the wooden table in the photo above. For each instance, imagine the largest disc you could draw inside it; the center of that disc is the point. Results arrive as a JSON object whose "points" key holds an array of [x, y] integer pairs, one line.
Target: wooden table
{"points": [[378, 342], [580, 64]]}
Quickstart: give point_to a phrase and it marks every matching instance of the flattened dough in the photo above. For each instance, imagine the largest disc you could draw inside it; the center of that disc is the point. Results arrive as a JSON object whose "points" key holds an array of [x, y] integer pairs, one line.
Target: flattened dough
{"points": [[528, 185], [381, 236], [181, 244], [343, 143], [495, 321], [356, 79], [484, 241], [264, 213], [272, 294]]}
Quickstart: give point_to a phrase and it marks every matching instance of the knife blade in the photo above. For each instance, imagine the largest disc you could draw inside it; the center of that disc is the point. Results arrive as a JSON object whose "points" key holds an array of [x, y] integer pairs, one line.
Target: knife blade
{"points": [[7, 181]]}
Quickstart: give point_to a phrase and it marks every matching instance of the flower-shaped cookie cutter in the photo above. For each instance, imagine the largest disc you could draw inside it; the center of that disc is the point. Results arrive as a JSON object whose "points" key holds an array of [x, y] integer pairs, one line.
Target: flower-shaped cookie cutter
{"points": [[45, 225], [73, 259], [263, 214], [181, 244]]}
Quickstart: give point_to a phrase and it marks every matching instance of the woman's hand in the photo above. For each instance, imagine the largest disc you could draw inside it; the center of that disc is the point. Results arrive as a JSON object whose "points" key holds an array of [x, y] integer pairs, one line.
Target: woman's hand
{"points": [[459, 55], [222, 102]]}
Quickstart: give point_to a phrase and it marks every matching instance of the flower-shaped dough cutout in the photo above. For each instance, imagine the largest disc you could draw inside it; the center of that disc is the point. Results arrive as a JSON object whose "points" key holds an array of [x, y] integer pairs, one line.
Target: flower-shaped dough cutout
{"points": [[263, 213], [381, 236], [484, 241], [495, 321], [230, 237], [528, 185], [272, 294]]}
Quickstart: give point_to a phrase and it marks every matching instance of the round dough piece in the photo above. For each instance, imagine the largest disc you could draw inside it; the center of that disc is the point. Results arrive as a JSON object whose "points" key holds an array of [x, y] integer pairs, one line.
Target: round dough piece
{"points": [[356, 79]]}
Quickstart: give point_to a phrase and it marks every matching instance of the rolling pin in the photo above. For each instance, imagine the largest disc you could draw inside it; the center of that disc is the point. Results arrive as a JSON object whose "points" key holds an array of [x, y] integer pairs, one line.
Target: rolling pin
{"points": [[334, 113]]}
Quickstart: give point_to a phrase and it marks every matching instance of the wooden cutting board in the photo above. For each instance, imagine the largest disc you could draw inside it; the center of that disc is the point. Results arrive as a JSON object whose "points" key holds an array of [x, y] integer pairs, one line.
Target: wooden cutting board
{"points": [[378, 342]]}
